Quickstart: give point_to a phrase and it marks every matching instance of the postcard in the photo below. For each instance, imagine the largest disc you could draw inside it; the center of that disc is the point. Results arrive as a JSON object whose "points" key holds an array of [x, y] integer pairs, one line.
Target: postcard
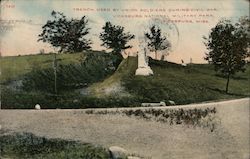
{"points": [[135, 79]]}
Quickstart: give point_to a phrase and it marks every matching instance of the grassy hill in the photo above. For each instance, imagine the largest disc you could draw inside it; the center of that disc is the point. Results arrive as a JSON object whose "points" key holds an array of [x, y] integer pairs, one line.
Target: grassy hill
{"points": [[113, 84], [191, 84], [183, 85], [13, 67]]}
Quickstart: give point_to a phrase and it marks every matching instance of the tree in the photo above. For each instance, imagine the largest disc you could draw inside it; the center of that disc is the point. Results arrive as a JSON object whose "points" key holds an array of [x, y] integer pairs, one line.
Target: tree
{"points": [[227, 46], [113, 37], [66, 35], [157, 41]]}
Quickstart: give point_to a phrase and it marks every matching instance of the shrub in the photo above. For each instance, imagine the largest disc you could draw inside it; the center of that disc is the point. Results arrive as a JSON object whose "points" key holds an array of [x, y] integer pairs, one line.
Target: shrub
{"points": [[195, 117], [93, 68]]}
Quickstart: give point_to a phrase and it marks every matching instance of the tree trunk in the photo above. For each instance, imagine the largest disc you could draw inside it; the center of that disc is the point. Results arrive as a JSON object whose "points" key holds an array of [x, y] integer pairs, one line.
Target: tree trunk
{"points": [[55, 74], [228, 78]]}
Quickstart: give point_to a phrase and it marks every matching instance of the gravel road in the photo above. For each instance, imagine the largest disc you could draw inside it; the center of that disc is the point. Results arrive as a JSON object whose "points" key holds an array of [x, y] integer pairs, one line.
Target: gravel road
{"points": [[156, 140]]}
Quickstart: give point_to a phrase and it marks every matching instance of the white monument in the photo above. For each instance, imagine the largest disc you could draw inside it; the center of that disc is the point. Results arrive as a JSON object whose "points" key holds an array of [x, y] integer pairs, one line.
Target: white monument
{"points": [[143, 68]]}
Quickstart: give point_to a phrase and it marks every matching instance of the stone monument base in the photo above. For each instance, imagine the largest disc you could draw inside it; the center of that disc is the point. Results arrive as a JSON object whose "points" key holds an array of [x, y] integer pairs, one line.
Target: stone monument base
{"points": [[144, 71]]}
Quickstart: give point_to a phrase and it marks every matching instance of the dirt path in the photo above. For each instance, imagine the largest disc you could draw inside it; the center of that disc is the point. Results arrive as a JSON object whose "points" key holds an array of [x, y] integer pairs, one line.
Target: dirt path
{"points": [[152, 139]]}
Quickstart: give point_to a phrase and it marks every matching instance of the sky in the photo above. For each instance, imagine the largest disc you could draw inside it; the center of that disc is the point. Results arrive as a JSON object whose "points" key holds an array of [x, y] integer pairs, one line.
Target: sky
{"points": [[25, 19]]}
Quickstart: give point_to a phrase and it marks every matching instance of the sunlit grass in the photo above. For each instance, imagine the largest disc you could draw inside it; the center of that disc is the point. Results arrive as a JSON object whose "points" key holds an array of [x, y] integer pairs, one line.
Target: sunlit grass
{"points": [[16, 66]]}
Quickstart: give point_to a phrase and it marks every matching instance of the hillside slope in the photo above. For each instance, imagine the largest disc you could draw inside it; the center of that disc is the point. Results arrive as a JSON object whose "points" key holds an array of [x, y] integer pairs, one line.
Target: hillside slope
{"points": [[13, 67], [113, 84], [194, 83], [191, 84]]}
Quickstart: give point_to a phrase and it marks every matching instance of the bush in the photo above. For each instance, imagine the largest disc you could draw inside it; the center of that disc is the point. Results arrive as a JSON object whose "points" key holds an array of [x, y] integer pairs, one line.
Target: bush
{"points": [[109, 102], [196, 117], [93, 68]]}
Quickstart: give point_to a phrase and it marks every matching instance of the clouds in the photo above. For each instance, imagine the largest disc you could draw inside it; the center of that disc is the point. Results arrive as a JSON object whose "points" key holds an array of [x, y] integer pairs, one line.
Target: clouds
{"points": [[23, 38]]}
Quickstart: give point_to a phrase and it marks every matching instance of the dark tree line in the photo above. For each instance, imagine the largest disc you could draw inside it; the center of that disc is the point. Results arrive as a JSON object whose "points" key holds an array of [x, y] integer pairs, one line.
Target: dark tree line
{"points": [[69, 35]]}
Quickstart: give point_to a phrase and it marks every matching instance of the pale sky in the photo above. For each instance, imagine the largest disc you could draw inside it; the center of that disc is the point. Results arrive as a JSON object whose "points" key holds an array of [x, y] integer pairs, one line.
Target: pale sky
{"points": [[186, 38]]}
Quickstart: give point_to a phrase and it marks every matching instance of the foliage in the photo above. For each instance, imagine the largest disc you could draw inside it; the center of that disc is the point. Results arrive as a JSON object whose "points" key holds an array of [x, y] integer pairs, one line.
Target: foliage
{"points": [[227, 46], [94, 67], [66, 100], [109, 102], [157, 41], [29, 146], [192, 117], [66, 35], [113, 37], [244, 22]]}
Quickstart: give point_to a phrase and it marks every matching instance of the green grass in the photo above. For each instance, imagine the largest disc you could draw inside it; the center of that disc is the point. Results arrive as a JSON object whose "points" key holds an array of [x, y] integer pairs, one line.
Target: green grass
{"points": [[29, 146], [94, 67], [192, 84], [16, 66], [127, 67]]}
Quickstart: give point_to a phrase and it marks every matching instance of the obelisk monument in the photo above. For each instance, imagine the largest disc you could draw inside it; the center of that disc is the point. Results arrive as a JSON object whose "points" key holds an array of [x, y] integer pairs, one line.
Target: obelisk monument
{"points": [[143, 68]]}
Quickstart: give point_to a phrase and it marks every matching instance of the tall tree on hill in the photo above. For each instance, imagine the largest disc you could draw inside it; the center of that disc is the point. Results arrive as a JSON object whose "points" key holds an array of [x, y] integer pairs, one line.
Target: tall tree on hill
{"points": [[66, 35], [157, 41], [228, 48], [115, 38]]}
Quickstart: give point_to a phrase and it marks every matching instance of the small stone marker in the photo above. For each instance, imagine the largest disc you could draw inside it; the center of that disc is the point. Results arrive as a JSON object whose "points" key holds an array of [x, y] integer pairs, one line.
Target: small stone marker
{"points": [[117, 152], [133, 157], [171, 102], [37, 107], [183, 63], [161, 104]]}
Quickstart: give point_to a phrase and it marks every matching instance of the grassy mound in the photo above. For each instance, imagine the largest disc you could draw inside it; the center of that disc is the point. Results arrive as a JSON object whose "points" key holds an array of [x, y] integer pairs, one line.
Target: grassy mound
{"points": [[101, 89], [13, 67], [93, 67], [191, 84], [37, 84], [29, 146]]}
